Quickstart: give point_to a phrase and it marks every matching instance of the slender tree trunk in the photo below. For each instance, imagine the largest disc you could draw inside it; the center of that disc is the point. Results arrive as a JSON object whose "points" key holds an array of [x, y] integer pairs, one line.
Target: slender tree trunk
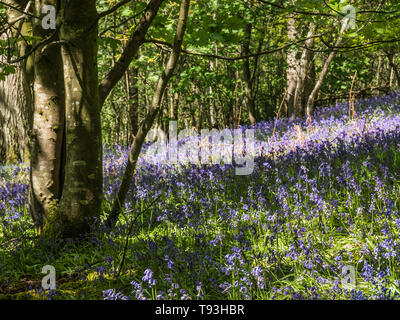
{"points": [[324, 71], [212, 95], [133, 95], [199, 109], [174, 103], [291, 71], [309, 84], [380, 69], [229, 111], [248, 79], [394, 71], [303, 76], [147, 123], [213, 112]]}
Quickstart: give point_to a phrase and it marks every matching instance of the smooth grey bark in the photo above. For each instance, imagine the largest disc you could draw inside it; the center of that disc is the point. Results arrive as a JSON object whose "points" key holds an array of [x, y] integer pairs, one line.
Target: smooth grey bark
{"points": [[37, 111], [66, 149], [82, 191], [48, 127]]}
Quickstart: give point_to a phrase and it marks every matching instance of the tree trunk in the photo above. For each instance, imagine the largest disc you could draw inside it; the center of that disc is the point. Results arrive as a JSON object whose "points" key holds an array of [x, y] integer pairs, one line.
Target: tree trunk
{"points": [[15, 95], [380, 70], [66, 160], [213, 112], [300, 72], [14, 117], [303, 76], [321, 77], [248, 79], [82, 188], [48, 127], [147, 123], [393, 69], [66, 149], [133, 95], [174, 104], [291, 71]]}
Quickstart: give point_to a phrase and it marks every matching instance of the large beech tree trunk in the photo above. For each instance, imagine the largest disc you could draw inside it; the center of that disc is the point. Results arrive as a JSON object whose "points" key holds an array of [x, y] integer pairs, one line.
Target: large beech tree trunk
{"points": [[66, 148], [82, 192], [66, 160], [48, 126]]}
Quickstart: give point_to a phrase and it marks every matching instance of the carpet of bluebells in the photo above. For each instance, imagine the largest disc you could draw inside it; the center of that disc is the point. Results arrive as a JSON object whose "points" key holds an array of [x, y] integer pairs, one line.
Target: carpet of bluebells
{"points": [[323, 197]]}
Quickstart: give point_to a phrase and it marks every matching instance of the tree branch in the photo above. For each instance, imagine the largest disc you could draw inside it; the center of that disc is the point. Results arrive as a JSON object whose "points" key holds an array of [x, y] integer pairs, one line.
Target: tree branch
{"points": [[113, 9], [130, 51], [18, 9], [214, 56]]}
